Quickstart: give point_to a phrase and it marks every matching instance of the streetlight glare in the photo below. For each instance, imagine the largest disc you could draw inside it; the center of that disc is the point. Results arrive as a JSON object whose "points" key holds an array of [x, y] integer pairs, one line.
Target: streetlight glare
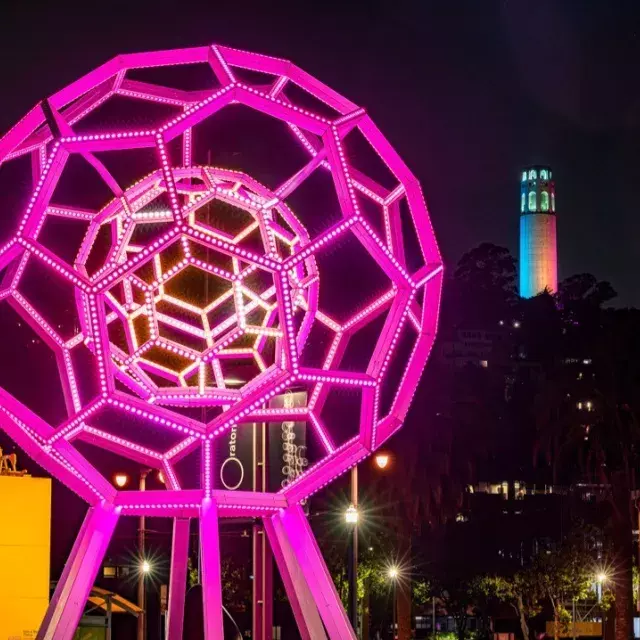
{"points": [[351, 515], [146, 567], [602, 577], [382, 460], [393, 572], [121, 480]]}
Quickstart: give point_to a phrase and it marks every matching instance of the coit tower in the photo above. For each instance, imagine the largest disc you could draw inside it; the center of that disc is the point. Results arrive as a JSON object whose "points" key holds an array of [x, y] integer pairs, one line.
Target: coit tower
{"points": [[538, 249]]}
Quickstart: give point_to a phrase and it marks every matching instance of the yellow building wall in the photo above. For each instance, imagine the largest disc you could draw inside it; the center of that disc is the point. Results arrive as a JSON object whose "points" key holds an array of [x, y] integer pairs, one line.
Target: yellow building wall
{"points": [[25, 540]]}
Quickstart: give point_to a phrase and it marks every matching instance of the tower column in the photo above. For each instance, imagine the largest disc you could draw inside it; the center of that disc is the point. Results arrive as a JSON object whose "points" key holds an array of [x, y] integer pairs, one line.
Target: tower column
{"points": [[538, 243]]}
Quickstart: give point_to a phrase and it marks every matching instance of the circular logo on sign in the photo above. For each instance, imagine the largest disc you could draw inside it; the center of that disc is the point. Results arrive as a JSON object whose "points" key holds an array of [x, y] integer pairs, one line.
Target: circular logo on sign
{"points": [[231, 475]]}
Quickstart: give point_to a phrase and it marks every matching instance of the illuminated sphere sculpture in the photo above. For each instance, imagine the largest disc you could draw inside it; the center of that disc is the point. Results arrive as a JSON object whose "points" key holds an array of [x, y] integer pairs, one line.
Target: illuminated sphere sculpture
{"points": [[183, 282]]}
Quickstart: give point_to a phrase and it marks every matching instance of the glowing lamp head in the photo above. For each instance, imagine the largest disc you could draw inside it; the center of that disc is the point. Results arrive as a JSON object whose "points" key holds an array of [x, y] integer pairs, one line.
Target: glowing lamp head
{"points": [[382, 460], [121, 480], [602, 577], [351, 515], [145, 567], [393, 573]]}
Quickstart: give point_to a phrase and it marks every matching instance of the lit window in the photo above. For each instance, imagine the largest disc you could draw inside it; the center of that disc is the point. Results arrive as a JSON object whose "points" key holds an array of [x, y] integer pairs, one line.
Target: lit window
{"points": [[484, 363], [553, 202], [532, 174], [523, 202], [524, 176], [543, 174], [532, 200], [544, 200]]}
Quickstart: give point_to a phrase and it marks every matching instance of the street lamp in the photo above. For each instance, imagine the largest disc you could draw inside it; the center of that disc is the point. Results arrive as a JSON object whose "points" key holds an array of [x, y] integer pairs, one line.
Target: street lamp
{"points": [[351, 515], [602, 577], [393, 574], [121, 480]]}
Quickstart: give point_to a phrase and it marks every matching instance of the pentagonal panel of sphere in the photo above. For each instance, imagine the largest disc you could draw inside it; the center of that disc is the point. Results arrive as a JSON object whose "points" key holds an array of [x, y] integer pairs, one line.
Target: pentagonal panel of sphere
{"points": [[193, 308]]}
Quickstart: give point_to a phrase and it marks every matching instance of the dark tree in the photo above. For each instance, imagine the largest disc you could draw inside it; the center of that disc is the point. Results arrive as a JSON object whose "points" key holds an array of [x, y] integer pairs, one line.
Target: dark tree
{"points": [[482, 290]]}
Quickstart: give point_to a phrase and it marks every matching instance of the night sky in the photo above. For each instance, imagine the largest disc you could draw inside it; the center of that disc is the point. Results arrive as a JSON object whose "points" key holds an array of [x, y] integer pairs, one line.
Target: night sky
{"points": [[469, 92]]}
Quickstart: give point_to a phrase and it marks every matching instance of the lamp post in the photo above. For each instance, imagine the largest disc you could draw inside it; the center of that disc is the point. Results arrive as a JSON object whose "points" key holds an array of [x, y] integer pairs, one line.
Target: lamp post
{"points": [[121, 480], [602, 578], [393, 576], [351, 517], [382, 462], [142, 595]]}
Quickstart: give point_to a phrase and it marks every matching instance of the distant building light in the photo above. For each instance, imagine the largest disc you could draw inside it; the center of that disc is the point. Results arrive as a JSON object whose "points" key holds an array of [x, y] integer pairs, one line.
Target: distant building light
{"points": [[501, 323], [516, 324], [109, 572], [484, 363], [586, 361]]}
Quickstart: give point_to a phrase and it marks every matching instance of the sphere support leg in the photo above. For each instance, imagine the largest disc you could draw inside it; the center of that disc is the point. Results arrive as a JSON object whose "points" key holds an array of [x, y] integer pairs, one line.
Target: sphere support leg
{"points": [[303, 568], [211, 572], [300, 597], [71, 594], [178, 578]]}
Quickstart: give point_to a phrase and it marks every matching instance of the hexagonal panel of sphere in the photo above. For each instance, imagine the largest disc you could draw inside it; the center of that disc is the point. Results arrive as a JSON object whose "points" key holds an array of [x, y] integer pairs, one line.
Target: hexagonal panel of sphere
{"points": [[202, 297]]}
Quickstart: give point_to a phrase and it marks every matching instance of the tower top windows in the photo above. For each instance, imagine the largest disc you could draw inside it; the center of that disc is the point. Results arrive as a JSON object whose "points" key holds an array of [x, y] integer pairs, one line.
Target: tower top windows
{"points": [[544, 201]]}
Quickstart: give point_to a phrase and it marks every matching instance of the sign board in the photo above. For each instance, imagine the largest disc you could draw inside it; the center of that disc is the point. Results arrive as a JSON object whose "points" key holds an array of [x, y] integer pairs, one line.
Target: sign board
{"points": [[235, 452], [287, 443], [25, 539], [234, 455]]}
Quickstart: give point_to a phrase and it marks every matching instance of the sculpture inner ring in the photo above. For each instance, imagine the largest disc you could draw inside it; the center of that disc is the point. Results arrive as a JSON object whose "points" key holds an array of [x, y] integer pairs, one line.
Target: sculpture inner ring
{"points": [[198, 318]]}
